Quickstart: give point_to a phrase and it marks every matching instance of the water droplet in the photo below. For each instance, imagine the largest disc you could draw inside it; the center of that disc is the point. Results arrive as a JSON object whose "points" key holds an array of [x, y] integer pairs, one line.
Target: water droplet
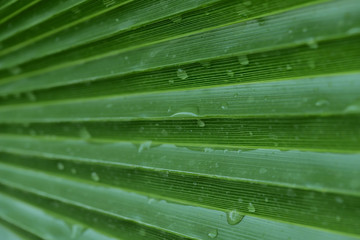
{"points": [[354, 30], [144, 146], [288, 67], [164, 132], [184, 114], [251, 208], [224, 106], [230, 73], [234, 217], [322, 103], [77, 231], [243, 60], [176, 19], [312, 43], [339, 200], [60, 166], [171, 81], [181, 74], [151, 200], [186, 111], [213, 233], [208, 150], [205, 64], [262, 170], [354, 107], [73, 171], [200, 123], [84, 134], [95, 177]]}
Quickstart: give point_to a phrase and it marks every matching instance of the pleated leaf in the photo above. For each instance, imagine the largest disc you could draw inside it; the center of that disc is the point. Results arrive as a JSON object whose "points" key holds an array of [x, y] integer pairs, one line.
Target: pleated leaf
{"points": [[207, 119]]}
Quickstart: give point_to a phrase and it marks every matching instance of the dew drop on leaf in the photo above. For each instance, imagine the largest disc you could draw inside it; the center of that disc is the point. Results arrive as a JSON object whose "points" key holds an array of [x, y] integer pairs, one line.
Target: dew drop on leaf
{"points": [[243, 60], [230, 73], [84, 133], [144, 146], [77, 231], [151, 200], [234, 217], [181, 74], [200, 123], [95, 177], [224, 106], [339, 200], [164, 132], [251, 208], [322, 103], [187, 111], [312, 43], [213, 233], [60, 166], [208, 150], [353, 108]]}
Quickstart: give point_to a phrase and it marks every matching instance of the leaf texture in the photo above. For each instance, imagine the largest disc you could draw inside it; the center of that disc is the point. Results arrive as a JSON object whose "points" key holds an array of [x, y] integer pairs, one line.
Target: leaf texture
{"points": [[207, 119]]}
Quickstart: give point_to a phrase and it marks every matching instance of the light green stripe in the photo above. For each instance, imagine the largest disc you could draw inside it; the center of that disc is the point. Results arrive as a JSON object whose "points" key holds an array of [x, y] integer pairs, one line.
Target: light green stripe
{"points": [[196, 222], [325, 172], [302, 97], [237, 39]]}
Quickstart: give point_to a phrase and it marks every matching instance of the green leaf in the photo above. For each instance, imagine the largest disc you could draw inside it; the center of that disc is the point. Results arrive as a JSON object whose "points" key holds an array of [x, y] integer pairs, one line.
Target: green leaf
{"points": [[207, 119]]}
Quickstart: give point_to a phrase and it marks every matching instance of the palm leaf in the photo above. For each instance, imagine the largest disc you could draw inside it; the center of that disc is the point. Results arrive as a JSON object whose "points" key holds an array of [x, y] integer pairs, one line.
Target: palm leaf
{"points": [[209, 119]]}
